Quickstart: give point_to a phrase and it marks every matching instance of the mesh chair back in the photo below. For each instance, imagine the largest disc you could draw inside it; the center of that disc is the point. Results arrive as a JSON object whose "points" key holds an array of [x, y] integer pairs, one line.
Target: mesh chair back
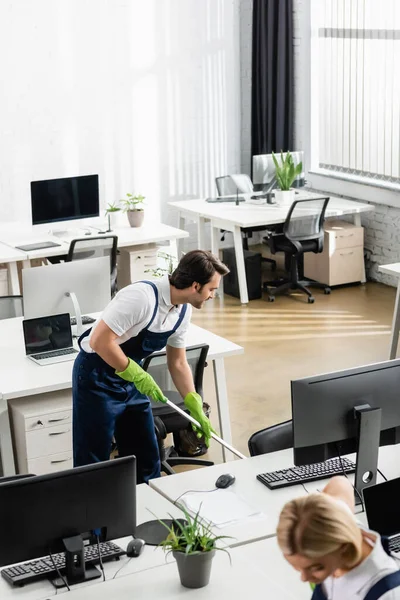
{"points": [[196, 357], [11, 306], [228, 185], [305, 219], [95, 247]]}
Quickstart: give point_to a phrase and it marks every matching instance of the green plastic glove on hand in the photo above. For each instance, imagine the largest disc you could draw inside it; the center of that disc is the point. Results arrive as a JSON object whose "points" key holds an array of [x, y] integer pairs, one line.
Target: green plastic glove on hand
{"points": [[142, 380], [194, 403]]}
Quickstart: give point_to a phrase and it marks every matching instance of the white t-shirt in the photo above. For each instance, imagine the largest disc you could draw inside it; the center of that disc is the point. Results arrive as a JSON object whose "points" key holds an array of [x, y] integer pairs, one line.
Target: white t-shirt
{"points": [[355, 584], [131, 310]]}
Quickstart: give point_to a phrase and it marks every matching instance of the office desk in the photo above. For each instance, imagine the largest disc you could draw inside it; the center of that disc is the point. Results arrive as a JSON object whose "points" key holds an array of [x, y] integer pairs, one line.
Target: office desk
{"points": [[127, 237], [233, 218], [254, 493], [21, 377], [394, 270]]}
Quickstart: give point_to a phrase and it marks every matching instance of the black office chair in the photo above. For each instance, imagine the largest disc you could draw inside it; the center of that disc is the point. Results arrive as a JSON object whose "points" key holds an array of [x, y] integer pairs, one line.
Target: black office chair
{"points": [[272, 439], [166, 420], [93, 247], [11, 306], [229, 185], [303, 231]]}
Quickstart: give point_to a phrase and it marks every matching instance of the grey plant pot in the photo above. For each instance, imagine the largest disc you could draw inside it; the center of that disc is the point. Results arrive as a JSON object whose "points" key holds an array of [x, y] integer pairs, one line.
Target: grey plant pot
{"points": [[194, 569], [135, 217]]}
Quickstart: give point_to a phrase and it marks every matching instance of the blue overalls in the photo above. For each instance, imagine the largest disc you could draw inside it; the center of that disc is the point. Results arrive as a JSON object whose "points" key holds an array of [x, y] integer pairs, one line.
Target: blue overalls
{"points": [[104, 405]]}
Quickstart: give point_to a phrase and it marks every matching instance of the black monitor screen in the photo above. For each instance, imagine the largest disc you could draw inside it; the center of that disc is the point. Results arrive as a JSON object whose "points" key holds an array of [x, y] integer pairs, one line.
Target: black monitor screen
{"points": [[64, 199], [47, 333], [381, 507]]}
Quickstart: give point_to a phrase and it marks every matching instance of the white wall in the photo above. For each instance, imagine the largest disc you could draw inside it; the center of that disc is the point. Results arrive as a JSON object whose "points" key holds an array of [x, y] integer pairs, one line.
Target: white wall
{"points": [[144, 92]]}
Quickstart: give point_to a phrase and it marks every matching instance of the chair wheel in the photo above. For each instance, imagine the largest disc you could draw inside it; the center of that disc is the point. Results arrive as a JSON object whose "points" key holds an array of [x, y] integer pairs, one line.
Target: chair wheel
{"points": [[311, 300], [271, 298], [327, 291]]}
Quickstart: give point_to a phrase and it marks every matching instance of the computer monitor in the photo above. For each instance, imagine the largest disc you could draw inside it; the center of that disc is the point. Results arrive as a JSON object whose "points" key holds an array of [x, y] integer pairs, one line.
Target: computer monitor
{"points": [[338, 413], [64, 199], [264, 169], [41, 514], [48, 289]]}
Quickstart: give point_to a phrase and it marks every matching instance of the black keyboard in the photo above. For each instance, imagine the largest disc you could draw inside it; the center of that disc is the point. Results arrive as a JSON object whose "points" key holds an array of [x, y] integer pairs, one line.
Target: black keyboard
{"points": [[86, 320], [225, 199], [53, 353], [394, 544], [38, 246], [307, 473], [43, 567]]}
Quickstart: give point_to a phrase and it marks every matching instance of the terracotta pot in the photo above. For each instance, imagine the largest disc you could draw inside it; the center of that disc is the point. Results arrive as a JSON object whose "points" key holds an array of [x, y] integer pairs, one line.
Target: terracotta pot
{"points": [[135, 217]]}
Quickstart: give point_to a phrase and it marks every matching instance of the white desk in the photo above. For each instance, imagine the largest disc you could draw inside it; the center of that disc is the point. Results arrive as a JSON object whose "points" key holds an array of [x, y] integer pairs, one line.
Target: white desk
{"points": [[127, 237], [254, 493], [21, 377], [234, 218], [394, 270]]}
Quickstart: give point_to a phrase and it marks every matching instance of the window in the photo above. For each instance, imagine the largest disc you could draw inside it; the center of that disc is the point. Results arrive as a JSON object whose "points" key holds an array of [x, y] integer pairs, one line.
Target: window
{"points": [[356, 46]]}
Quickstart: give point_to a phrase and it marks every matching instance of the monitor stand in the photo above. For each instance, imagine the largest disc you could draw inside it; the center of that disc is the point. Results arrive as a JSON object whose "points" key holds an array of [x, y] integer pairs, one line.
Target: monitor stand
{"points": [[368, 437], [75, 569]]}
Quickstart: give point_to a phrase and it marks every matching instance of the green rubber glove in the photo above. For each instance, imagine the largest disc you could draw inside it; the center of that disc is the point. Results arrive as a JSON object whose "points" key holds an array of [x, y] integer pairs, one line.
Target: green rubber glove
{"points": [[142, 380], [194, 403]]}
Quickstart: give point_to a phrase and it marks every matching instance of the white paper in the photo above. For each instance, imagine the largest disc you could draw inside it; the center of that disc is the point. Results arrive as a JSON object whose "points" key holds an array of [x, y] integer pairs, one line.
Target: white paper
{"points": [[220, 507]]}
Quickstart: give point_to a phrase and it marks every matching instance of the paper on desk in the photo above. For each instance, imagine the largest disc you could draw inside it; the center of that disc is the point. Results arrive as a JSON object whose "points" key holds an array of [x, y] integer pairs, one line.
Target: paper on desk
{"points": [[220, 507]]}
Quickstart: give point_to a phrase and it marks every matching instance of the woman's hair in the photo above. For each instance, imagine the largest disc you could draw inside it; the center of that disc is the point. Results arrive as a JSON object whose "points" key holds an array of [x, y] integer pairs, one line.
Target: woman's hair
{"points": [[316, 525], [197, 266]]}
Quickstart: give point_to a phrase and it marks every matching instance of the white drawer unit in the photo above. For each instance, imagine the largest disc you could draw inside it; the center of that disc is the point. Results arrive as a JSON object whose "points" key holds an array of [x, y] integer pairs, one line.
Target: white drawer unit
{"points": [[42, 432], [136, 263]]}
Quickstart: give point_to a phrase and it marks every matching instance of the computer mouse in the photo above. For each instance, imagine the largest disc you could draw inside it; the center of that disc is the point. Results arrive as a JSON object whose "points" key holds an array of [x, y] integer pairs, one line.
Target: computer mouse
{"points": [[224, 481], [135, 547]]}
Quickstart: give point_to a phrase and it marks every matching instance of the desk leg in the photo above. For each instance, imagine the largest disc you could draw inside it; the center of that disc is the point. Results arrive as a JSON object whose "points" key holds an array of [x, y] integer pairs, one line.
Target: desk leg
{"points": [[357, 223], [238, 242], [201, 233], [394, 338], [179, 243], [13, 280], [215, 251], [6, 450], [223, 406]]}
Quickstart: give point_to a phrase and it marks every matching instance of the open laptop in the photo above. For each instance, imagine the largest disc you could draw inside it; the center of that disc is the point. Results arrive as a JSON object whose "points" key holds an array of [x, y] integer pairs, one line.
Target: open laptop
{"points": [[48, 340], [382, 509]]}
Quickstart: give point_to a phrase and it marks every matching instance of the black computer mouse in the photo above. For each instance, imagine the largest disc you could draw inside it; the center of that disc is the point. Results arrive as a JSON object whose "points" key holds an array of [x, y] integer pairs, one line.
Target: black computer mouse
{"points": [[135, 547], [224, 481]]}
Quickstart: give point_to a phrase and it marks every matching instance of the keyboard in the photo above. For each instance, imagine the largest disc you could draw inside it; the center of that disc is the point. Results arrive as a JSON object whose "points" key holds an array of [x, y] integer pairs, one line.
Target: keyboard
{"points": [[394, 544], [38, 246], [53, 353], [43, 568], [86, 320], [307, 473], [224, 199]]}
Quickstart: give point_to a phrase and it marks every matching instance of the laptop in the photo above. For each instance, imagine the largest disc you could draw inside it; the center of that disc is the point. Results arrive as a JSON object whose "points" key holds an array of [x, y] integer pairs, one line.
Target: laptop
{"points": [[48, 340], [382, 509]]}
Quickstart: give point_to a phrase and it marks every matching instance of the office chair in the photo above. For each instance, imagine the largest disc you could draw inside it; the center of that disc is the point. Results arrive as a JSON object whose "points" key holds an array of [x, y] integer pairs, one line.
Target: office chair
{"points": [[11, 306], [94, 247], [166, 420], [303, 231], [272, 439], [229, 185]]}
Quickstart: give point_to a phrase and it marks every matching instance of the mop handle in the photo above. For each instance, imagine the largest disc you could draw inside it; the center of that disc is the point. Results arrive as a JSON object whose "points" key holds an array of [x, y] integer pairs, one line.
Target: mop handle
{"points": [[213, 435]]}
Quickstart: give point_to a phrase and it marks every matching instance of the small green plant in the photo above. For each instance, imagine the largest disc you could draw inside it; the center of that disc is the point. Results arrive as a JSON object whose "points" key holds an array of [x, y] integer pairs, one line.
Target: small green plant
{"points": [[167, 269], [112, 208], [132, 202], [286, 172], [192, 536]]}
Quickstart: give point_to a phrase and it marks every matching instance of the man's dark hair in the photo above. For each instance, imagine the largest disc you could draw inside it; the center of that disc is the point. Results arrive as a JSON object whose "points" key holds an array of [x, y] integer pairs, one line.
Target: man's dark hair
{"points": [[196, 266]]}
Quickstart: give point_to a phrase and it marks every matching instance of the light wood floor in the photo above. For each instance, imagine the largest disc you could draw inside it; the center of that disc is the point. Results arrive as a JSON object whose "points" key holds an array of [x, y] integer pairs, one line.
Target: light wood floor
{"points": [[289, 339]]}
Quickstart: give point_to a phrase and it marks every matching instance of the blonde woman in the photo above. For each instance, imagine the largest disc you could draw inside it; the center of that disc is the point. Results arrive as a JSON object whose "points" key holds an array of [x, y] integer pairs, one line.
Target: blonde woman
{"points": [[320, 538]]}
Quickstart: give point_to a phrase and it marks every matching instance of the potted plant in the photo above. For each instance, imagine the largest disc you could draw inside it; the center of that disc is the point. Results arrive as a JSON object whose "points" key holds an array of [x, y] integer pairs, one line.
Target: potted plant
{"points": [[286, 173], [133, 206], [167, 268], [111, 208], [193, 545]]}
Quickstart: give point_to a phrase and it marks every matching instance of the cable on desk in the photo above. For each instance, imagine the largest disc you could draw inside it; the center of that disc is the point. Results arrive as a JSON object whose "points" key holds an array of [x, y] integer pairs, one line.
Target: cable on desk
{"points": [[123, 566], [100, 557], [194, 492], [64, 580], [382, 475]]}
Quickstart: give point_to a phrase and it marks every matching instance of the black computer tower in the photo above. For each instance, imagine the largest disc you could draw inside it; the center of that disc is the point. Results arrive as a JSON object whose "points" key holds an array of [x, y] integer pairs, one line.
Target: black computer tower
{"points": [[252, 263]]}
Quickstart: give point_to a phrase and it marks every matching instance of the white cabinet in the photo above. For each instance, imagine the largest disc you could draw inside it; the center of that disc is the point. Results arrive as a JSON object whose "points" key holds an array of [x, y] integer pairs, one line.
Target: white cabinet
{"points": [[136, 263], [42, 432]]}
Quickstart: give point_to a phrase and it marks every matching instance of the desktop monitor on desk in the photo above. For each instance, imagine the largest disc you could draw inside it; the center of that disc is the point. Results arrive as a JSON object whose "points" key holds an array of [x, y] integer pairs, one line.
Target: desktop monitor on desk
{"points": [[339, 413], [264, 169]]}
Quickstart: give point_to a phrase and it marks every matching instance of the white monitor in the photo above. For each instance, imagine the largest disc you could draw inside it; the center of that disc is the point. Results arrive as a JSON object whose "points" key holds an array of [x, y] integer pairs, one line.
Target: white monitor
{"points": [[45, 288], [264, 168]]}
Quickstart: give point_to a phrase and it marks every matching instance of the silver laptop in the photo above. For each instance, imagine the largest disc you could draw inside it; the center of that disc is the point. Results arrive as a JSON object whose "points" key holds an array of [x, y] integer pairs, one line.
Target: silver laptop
{"points": [[48, 340]]}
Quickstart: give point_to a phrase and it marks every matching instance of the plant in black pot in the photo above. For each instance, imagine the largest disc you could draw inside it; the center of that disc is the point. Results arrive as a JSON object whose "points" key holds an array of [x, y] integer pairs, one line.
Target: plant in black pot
{"points": [[133, 206], [193, 545]]}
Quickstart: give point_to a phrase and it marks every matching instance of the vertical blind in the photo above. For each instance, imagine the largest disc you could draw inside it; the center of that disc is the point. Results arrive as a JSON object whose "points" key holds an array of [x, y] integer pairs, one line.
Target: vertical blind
{"points": [[359, 87]]}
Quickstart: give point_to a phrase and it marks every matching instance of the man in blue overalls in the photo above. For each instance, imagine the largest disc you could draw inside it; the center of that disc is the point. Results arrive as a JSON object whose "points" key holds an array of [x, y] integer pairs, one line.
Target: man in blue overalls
{"points": [[110, 389]]}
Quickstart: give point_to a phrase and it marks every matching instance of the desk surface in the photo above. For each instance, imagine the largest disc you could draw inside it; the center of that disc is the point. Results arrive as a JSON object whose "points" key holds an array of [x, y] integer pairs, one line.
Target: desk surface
{"points": [[251, 215], [392, 269], [22, 377], [9, 254]]}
